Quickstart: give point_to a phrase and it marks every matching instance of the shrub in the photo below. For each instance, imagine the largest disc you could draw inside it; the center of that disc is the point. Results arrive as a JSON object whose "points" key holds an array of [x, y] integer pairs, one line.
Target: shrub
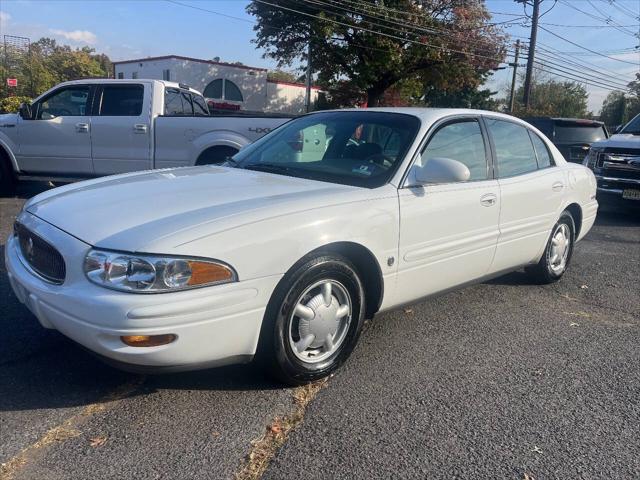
{"points": [[12, 104]]}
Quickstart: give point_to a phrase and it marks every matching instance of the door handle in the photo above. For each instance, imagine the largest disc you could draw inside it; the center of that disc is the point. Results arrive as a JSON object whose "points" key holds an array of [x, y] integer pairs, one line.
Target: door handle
{"points": [[557, 186], [82, 127], [488, 200], [140, 128]]}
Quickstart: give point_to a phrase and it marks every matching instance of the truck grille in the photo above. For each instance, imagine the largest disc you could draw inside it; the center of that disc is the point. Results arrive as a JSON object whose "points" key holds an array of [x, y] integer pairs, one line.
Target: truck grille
{"points": [[620, 162], [43, 259]]}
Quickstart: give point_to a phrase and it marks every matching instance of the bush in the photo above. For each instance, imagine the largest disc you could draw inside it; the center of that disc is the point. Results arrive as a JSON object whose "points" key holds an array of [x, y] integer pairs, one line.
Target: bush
{"points": [[12, 104]]}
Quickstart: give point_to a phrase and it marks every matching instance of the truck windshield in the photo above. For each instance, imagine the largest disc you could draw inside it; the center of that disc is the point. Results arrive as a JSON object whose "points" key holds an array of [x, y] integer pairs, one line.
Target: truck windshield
{"points": [[353, 148], [579, 133], [633, 127]]}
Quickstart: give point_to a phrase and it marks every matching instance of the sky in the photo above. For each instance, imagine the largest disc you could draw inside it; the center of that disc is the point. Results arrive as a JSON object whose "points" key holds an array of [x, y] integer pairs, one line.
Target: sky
{"points": [[126, 29]]}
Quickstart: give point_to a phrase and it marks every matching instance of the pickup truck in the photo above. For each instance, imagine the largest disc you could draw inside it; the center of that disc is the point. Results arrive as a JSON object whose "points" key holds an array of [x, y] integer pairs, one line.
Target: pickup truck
{"points": [[89, 128], [616, 165]]}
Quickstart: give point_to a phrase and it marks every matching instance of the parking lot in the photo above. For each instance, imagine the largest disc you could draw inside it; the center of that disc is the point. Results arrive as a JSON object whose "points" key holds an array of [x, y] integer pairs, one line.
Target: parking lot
{"points": [[503, 379]]}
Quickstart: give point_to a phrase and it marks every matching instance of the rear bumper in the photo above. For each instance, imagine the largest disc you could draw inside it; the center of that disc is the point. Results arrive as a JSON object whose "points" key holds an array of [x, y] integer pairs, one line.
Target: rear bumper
{"points": [[214, 326]]}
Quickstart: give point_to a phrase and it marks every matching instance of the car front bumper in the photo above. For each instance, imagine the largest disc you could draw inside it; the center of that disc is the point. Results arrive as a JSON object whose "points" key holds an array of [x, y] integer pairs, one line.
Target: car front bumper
{"points": [[213, 325], [611, 190]]}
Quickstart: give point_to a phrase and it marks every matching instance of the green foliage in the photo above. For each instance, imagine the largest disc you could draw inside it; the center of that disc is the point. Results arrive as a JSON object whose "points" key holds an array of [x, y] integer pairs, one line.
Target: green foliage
{"points": [[618, 108], [48, 64], [281, 76], [12, 104], [456, 46], [555, 99]]}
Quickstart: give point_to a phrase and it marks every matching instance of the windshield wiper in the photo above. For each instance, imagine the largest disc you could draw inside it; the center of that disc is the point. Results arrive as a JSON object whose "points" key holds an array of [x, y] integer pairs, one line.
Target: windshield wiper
{"points": [[268, 167], [229, 161]]}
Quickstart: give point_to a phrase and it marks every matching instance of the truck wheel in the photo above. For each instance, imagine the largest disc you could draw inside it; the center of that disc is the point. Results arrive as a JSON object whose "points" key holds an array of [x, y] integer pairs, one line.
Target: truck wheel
{"points": [[216, 155], [7, 176]]}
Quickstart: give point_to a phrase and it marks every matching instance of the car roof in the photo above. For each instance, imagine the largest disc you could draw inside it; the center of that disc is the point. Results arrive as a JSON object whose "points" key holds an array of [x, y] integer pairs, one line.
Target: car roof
{"points": [[579, 121], [428, 115], [166, 83]]}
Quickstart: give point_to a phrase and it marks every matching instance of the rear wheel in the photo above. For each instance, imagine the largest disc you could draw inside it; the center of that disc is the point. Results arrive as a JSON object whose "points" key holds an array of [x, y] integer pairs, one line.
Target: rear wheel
{"points": [[216, 155], [557, 254], [313, 320]]}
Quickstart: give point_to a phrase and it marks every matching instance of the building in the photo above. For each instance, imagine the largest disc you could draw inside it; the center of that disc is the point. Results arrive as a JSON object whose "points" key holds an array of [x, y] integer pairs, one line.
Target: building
{"points": [[226, 85]]}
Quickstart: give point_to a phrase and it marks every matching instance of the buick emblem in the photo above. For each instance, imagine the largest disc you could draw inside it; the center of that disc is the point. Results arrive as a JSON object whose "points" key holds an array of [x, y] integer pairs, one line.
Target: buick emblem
{"points": [[29, 249]]}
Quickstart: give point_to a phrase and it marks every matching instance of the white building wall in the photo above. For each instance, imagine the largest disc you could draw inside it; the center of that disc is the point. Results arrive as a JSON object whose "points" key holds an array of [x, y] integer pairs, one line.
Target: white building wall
{"points": [[258, 94], [287, 98]]}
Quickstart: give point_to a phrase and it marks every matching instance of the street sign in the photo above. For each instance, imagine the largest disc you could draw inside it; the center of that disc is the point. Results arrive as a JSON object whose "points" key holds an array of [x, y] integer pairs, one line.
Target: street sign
{"points": [[12, 82]]}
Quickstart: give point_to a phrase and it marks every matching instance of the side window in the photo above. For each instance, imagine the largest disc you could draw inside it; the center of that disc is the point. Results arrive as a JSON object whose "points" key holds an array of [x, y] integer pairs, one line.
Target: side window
{"points": [[121, 100], [199, 106], [68, 102], [514, 150], [187, 106], [461, 141], [542, 151]]}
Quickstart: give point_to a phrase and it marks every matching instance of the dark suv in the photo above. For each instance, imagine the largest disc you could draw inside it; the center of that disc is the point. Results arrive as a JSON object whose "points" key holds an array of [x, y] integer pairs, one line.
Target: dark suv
{"points": [[572, 136]]}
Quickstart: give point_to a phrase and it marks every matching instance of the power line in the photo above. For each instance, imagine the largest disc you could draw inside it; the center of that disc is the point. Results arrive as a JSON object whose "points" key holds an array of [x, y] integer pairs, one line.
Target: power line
{"points": [[622, 8], [583, 47]]}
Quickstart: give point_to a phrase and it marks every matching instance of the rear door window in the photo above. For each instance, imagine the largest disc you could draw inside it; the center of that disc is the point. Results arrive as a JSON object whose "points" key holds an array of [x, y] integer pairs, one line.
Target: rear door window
{"points": [[542, 151], [514, 151], [199, 106], [121, 100]]}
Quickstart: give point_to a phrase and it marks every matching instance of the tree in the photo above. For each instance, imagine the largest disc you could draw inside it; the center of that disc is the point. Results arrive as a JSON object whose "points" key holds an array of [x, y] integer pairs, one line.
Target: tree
{"points": [[47, 63], [281, 76], [372, 47], [554, 98], [614, 109]]}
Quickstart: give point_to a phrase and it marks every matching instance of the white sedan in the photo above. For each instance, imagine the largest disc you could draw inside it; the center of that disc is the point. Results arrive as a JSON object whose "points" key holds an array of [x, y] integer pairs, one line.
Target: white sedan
{"points": [[282, 253]]}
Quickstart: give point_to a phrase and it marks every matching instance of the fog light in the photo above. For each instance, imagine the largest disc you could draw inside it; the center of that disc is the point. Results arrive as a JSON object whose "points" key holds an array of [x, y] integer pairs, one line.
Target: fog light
{"points": [[147, 340]]}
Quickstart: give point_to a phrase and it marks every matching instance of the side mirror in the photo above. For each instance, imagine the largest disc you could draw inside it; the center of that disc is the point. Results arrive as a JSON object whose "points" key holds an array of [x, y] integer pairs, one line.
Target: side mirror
{"points": [[442, 170], [25, 111]]}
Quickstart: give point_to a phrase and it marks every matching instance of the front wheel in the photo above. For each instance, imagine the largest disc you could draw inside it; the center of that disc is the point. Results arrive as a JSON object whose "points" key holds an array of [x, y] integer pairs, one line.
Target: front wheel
{"points": [[557, 254], [313, 320]]}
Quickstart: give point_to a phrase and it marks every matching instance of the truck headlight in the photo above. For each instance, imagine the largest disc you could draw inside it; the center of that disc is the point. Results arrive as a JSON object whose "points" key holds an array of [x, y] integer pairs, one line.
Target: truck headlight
{"points": [[153, 273], [592, 157]]}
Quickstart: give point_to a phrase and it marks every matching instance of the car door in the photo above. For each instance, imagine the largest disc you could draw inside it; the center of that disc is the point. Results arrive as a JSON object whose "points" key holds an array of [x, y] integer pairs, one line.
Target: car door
{"points": [[121, 128], [531, 191], [57, 140], [448, 232]]}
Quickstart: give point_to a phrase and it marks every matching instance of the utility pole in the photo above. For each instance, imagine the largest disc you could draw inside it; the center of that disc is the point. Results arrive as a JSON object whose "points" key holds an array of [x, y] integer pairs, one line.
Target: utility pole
{"points": [[531, 51], [307, 95], [512, 98]]}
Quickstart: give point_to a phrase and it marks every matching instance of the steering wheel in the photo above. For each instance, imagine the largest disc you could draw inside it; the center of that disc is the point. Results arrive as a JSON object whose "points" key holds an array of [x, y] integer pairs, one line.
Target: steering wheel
{"points": [[381, 160]]}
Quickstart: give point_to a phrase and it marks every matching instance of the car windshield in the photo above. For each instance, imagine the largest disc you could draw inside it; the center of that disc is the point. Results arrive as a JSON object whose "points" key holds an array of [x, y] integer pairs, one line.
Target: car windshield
{"points": [[633, 127], [361, 148], [579, 133]]}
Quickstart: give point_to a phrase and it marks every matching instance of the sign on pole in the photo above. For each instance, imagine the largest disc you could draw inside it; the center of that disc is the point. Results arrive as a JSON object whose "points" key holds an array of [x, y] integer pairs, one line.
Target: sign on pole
{"points": [[12, 82]]}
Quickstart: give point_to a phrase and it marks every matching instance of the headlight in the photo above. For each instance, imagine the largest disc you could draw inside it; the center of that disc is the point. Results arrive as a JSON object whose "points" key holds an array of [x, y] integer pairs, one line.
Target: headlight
{"points": [[592, 157], [153, 273]]}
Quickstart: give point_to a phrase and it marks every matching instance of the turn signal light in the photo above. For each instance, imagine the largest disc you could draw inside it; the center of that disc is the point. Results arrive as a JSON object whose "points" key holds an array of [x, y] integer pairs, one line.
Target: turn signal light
{"points": [[147, 340]]}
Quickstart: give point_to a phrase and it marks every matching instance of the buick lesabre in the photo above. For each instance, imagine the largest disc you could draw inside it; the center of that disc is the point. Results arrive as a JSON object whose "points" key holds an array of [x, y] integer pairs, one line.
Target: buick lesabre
{"points": [[282, 252]]}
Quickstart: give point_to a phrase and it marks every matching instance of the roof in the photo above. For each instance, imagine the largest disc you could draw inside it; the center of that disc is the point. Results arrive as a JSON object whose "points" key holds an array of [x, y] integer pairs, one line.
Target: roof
{"points": [[190, 59], [584, 121]]}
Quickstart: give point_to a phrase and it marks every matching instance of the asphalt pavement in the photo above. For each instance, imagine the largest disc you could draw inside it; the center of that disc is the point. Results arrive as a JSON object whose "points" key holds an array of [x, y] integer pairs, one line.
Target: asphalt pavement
{"points": [[503, 379]]}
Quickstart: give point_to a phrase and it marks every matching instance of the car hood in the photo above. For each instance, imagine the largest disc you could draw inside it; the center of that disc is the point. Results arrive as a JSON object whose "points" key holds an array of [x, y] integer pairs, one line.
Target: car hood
{"points": [[619, 140], [143, 212]]}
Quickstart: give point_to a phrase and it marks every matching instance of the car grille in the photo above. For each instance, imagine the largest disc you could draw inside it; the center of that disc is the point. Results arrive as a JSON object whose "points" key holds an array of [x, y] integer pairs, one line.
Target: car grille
{"points": [[43, 259], [619, 162]]}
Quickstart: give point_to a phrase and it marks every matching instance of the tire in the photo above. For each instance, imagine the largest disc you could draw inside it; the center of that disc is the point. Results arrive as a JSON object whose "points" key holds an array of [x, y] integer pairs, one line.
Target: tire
{"points": [[7, 177], [550, 268], [216, 155], [304, 337]]}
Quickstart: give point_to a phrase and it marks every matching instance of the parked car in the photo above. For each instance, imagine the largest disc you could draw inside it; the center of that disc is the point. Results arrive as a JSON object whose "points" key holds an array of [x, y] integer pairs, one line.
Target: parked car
{"points": [[572, 136], [89, 128], [281, 257], [616, 164]]}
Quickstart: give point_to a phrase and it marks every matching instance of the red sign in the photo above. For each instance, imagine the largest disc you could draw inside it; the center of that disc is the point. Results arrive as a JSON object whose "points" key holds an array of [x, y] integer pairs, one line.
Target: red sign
{"points": [[12, 82]]}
